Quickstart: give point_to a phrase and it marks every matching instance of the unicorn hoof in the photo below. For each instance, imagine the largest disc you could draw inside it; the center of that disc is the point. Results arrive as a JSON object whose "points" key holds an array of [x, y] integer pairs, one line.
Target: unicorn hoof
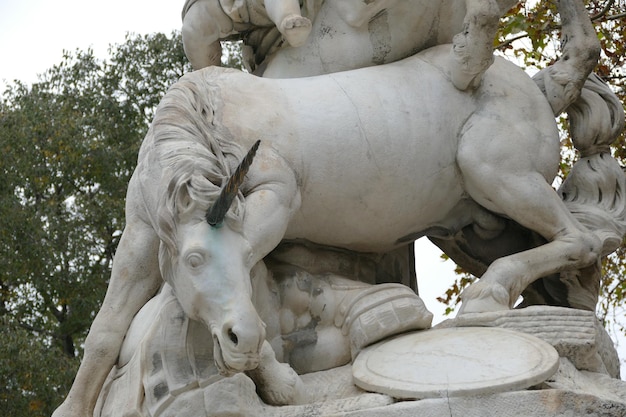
{"points": [[482, 305], [295, 29], [483, 297]]}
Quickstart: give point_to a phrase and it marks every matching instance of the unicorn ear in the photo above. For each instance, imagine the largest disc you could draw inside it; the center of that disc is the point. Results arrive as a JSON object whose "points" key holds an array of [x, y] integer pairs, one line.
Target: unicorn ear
{"points": [[216, 213]]}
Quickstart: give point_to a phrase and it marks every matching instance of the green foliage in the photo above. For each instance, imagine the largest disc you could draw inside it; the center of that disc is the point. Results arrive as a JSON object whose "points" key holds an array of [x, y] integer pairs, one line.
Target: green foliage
{"points": [[612, 309], [34, 376], [232, 56], [69, 145]]}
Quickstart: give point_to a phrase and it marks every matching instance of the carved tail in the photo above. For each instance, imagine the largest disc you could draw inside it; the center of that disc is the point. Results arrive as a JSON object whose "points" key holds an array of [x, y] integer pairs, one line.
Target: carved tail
{"points": [[563, 81], [595, 189]]}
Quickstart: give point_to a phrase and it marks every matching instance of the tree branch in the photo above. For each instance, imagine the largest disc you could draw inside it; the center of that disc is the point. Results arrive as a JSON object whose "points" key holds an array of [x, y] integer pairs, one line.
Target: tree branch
{"points": [[604, 10], [34, 329], [616, 16], [511, 40]]}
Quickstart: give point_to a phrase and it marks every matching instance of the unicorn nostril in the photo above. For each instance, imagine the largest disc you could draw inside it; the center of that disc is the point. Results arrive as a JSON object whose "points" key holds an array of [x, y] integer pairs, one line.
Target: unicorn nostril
{"points": [[233, 337]]}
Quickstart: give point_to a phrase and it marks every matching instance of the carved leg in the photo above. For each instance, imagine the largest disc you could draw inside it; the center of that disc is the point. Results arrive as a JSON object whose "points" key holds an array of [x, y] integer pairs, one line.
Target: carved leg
{"points": [[472, 50], [513, 186], [507, 277], [277, 383], [289, 21], [204, 23], [562, 82]]}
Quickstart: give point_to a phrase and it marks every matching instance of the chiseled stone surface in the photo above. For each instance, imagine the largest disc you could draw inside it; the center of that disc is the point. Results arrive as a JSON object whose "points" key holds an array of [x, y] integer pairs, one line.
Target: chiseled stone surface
{"points": [[575, 334], [331, 394], [455, 362], [363, 160], [545, 403]]}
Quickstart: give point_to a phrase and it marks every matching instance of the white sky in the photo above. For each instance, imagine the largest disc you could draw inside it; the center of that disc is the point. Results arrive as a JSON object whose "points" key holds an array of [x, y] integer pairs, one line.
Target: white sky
{"points": [[34, 33]]}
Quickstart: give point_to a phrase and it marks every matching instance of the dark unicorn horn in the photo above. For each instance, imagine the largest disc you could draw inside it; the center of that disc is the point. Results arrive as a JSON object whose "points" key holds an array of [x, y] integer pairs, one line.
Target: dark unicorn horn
{"points": [[216, 213]]}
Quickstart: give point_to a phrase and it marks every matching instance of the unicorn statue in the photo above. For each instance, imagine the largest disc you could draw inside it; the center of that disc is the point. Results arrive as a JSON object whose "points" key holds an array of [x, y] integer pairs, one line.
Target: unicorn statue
{"points": [[346, 34], [235, 168]]}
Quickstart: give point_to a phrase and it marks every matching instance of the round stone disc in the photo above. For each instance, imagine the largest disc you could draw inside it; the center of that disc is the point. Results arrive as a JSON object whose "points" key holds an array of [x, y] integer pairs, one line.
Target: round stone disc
{"points": [[455, 362]]}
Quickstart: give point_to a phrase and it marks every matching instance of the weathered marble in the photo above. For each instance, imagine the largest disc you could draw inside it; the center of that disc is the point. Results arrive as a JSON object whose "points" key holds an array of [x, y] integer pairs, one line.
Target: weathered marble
{"points": [[453, 362], [576, 334], [346, 34], [447, 143], [544, 403], [313, 323], [205, 22], [569, 391]]}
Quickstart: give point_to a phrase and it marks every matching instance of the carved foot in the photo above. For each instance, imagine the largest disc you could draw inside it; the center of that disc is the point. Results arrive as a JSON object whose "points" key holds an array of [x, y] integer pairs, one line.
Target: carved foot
{"points": [[470, 61], [295, 29], [381, 311], [277, 383], [482, 297], [285, 387]]}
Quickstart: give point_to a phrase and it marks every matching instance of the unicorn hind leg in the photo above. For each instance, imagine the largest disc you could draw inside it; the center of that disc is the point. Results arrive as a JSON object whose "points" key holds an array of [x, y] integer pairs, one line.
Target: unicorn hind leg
{"points": [[511, 185]]}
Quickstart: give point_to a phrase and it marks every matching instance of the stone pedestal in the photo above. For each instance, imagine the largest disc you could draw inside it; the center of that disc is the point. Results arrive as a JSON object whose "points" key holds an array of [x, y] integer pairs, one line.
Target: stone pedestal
{"points": [[556, 362]]}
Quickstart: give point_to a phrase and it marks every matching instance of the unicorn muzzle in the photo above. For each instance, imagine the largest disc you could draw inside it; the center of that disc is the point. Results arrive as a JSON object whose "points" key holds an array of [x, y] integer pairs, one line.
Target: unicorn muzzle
{"points": [[237, 346]]}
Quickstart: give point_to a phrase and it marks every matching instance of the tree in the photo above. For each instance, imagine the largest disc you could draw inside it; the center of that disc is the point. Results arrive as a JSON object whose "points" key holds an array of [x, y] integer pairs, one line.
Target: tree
{"points": [[69, 145]]}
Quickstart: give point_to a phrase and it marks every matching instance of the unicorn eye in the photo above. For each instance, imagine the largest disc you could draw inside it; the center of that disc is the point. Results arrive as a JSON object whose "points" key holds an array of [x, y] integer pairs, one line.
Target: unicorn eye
{"points": [[195, 260]]}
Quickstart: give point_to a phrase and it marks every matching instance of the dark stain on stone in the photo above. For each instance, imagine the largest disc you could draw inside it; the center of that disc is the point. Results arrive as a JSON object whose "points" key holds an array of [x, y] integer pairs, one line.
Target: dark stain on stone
{"points": [[380, 37], [160, 390], [157, 363]]}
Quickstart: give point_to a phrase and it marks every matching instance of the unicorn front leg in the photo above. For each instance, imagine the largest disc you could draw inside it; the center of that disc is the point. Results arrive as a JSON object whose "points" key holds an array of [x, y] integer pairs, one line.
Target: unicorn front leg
{"points": [[272, 198], [277, 383]]}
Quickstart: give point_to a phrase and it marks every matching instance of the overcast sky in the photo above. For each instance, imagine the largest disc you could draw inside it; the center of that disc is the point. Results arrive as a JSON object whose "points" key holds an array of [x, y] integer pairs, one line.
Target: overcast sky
{"points": [[34, 33]]}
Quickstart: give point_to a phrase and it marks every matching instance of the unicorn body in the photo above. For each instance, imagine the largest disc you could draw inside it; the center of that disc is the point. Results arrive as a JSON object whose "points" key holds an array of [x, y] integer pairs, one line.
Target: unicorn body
{"points": [[376, 153], [339, 165]]}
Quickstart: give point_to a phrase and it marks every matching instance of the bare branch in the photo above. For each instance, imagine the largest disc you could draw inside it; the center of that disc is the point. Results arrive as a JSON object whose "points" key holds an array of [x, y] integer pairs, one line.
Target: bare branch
{"points": [[616, 16], [511, 40], [604, 10], [34, 329]]}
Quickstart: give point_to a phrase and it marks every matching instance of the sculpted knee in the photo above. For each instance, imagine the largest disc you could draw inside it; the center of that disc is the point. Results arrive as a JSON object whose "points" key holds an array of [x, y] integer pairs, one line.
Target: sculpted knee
{"points": [[594, 248], [588, 248]]}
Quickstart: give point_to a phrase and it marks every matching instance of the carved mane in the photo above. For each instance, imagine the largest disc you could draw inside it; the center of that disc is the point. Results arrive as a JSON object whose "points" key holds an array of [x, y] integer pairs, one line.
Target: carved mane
{"points": [[196, 152]]}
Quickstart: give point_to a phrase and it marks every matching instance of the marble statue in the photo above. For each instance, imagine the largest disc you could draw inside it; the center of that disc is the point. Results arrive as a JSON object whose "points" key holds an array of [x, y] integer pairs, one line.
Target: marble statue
{"points": [[313, 323], [349, 34], [243, 281], [205, 22], [595, 180]]}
